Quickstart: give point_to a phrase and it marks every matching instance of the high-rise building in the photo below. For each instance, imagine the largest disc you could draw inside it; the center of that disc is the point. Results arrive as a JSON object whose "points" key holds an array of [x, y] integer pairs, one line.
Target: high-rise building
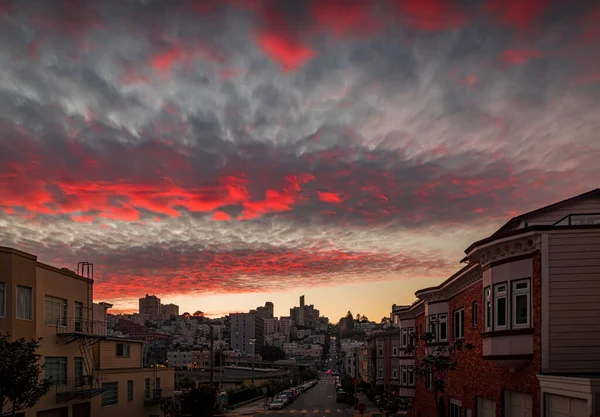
{"points": [[305, 315], [149, 307], [169, 310], [265, 312], [301, 301], [247, 333]]}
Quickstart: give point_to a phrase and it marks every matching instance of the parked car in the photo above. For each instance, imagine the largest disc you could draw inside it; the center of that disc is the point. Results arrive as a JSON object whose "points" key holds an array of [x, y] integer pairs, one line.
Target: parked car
{"points": [[277, 404], [284, 398]]}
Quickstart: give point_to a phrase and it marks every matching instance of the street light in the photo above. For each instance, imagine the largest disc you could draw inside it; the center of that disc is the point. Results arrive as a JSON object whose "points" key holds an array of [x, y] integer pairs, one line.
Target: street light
{"points": [[253, 342]]}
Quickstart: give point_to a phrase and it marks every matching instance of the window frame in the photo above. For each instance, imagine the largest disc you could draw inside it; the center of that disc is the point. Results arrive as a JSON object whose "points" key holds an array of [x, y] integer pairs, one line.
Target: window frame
{"points": [[460, 313], [130, 390], [394, 373], [30, 318], [411, 376], [497, 297], [404, 380], [61, 361], [147, 388], [62, 306], [442, 320], [103, 401], [429, 380], [474, 315], [404, 337], [123, 355], [487, 306], [432, 325], [380, 373], [79, 376], [3, 292], [395, 351], [456, 406], [516, 292]]}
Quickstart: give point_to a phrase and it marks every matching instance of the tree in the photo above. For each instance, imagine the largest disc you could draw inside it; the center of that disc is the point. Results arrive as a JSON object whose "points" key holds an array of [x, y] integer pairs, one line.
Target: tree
{"points": [[385, 321], [169, 407], [20, 370], [272, 353], [199, 314], [358, 317], [435, 362], [186, 315], [186, 383]]}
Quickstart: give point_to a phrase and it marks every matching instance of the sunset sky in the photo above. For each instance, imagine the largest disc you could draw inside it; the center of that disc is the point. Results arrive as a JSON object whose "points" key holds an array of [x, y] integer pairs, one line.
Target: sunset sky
{"points": [[221, 154]]}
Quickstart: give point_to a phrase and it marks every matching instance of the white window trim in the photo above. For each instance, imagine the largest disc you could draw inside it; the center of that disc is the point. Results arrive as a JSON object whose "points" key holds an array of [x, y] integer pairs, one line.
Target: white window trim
{"points": [[3, 312], [395, 373], [404, 375], [516, 292], [411, 376], [380, 374], [487, 308], [498, 295], [432, 326], [403, 341], [461, 325], [442, 318], [395, 351]]}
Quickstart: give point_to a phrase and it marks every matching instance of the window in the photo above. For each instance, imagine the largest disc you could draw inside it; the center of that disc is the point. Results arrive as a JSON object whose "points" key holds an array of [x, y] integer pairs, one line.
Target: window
{"points": [[429, 380], [380, 352], [56, 369], [488, 308], [520, 303], [24, 303], [2, 299], [431, 327], [55, 311], [78, 372], [129, 391], [395, 351], [395, 373], [455, 409], [404, 376], [110, 394], [474, 314], [500, 309], [122, 350], [411, 376], [380, 373], [404, 337], [147, 388], [443, 328], [459, 323], [78, 316]]}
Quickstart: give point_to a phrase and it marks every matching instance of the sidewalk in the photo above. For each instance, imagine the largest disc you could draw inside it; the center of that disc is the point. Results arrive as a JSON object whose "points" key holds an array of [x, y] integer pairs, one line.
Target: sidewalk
{"points": [[254, 407]]}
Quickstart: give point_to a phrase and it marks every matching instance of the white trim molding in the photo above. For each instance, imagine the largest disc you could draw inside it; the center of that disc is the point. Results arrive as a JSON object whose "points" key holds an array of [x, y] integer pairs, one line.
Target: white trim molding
{"points": [[581, 387], [506, 248], [545, 284]]}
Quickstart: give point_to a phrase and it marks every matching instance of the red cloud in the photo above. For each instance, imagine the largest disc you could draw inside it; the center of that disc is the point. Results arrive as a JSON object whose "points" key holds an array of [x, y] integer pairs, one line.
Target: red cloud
{"points": [[329, 197], [519, 13], [520, 56], [221, 215], [342, 17], [285, 50], [430, 15]]}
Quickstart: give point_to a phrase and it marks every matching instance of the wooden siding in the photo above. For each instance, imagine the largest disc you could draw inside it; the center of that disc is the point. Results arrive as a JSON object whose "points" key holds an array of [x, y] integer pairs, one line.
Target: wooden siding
{"points": [[108, 355], [549, 217], [574, 310]]}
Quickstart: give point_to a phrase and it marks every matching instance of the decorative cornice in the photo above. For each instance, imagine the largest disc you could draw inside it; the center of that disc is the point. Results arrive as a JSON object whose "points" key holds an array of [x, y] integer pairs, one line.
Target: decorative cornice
{"points": [[507, 249], [453, 287], [416, 310]]}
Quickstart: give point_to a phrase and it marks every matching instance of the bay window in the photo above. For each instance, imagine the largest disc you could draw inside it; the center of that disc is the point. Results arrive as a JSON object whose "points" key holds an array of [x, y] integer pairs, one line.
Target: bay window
{"points": [[500, 306], [404, 337], [459, 324], [404, 375], [431, 327], [443, 328], [521, 310], [411, 376], [24, 303]]}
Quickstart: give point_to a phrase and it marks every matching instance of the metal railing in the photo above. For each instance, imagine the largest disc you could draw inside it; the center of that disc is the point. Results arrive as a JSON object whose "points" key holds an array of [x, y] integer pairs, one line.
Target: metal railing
{"points": [[80, 386], [76, 326], [156, 395]]}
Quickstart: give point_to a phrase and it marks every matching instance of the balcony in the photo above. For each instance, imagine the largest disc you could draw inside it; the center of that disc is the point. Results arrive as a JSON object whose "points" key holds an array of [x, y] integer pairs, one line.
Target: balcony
{"points": [[74, 328], [81, 388], [508, 348], [158, 395]]}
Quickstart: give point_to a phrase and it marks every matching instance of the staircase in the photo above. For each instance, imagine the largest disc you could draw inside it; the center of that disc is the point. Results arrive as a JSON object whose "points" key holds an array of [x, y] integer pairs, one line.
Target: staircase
{"points": [[89, 362]]}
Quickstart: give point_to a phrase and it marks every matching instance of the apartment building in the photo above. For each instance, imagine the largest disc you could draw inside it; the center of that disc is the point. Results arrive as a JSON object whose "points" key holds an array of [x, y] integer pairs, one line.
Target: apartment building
{"points": [[150, 307], [527, 299], [271, 325], [92, 373], [247, 332]]}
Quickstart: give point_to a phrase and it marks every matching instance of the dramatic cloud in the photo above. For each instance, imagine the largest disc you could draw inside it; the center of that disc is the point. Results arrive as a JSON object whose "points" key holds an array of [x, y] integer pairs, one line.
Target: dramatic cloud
{"points": [[247, 146]]}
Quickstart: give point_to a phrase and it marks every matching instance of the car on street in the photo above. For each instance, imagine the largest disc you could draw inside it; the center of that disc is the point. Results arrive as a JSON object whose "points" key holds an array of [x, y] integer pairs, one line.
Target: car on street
{"points": [[277, 404]]}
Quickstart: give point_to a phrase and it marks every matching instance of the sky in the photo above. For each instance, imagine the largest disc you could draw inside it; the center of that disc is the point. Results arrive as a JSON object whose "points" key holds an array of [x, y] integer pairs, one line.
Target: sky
{"points": [[221, 154]]}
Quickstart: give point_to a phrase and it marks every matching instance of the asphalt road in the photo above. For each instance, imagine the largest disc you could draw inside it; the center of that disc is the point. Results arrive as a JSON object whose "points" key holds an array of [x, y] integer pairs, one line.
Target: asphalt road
{"points": [[317, 401]]}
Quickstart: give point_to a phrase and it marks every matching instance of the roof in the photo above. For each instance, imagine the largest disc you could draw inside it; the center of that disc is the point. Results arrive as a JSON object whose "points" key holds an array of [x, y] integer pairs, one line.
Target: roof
{"points": [[511, 222], [446, 282]]}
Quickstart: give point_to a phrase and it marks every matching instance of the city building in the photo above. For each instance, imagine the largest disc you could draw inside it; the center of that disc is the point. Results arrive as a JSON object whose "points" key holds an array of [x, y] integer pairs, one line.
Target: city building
{"points": [[265, 312], [149, 307], [285, 326], [271, 325], [93, 373], [305, 315], [527, 301], [247, 333], [169, 311]]}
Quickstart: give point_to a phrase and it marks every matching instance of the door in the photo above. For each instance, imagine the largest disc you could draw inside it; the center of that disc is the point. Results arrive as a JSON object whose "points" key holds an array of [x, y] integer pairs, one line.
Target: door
{"points": [[55, 412], [82, 409], [561, 406], [518, 404], [485, 407]]}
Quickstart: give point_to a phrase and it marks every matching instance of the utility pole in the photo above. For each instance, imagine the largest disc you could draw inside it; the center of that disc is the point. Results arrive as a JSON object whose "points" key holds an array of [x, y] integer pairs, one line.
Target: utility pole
{"points": [[212, 382], [253, 343]]}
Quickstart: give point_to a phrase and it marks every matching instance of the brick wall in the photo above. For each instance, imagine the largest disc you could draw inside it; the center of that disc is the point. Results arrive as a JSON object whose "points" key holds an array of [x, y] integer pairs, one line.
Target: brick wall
{"points": [[478, 377], [424, 403]]}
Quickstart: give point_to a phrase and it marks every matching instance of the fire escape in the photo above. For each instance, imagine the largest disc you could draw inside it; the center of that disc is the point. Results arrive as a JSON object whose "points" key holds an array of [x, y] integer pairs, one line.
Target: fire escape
{"points": [[86, 332]]}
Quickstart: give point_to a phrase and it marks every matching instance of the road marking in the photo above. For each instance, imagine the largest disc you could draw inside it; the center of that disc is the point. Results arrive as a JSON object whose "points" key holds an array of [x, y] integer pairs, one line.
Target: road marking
{"points": [[339, 411], [315, 411], [292, 411], [281, 411], [327, 411], [304, 411]]}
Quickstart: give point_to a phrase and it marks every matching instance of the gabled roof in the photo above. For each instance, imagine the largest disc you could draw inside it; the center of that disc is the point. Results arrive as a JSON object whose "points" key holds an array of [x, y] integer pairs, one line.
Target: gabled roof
{"points": [[516, 220]]}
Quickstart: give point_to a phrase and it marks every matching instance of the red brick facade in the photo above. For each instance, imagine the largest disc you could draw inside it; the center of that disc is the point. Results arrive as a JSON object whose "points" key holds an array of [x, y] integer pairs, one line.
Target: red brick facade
{"points": [[477, 377]]}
